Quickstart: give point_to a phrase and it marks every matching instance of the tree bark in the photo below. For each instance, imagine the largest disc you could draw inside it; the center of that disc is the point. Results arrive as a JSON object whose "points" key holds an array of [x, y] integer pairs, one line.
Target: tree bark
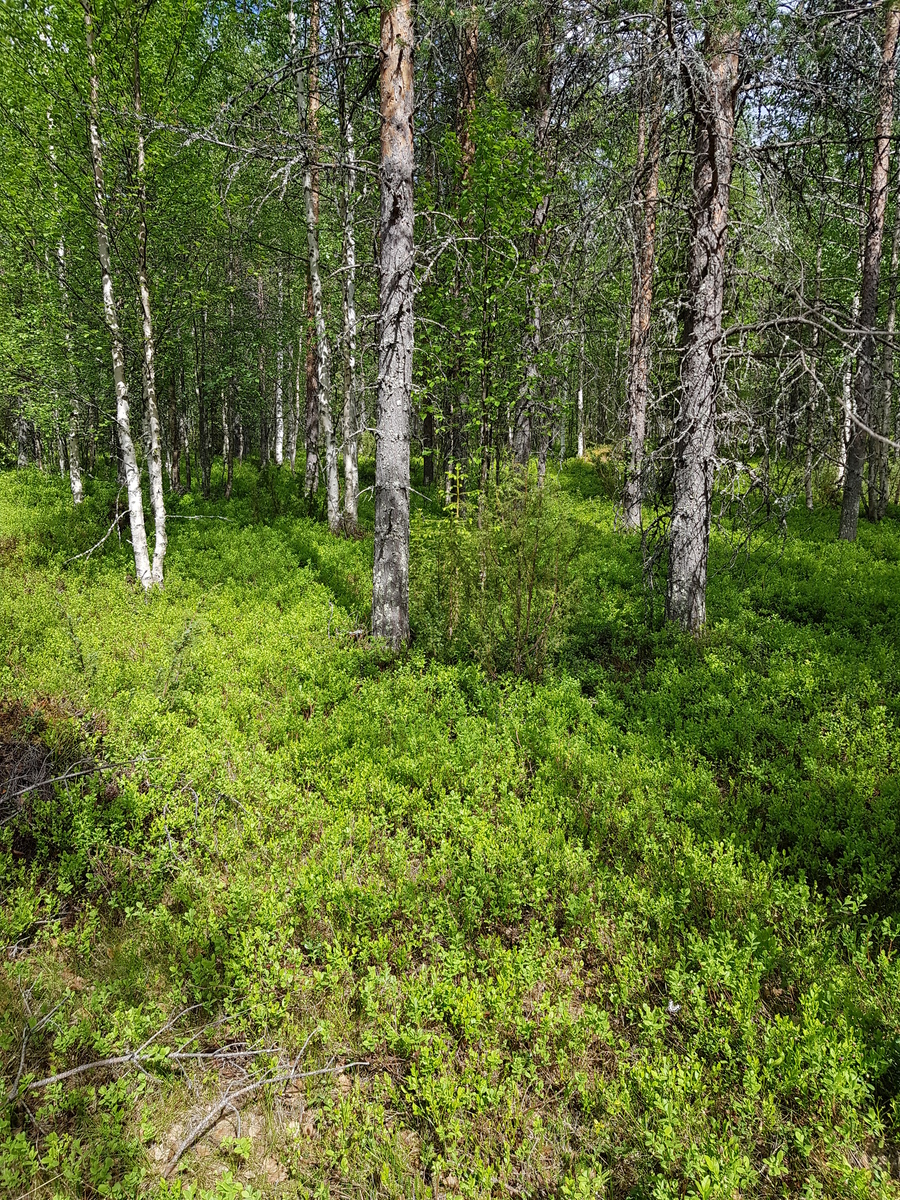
{"points": [[580, 412], [864, 389], [261, 372], [204, 449], [154, 457], [73, 455], [695, 437], [390, 580], [123, 408], [308, 120], [351, 413], [642, 297], [812, 399], [323, 346], [279, 373], [531, 341], [879, 462]]}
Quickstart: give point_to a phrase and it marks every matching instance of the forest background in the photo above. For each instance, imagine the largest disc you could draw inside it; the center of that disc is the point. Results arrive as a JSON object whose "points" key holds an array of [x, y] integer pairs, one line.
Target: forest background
{"points": [[449, 606]]}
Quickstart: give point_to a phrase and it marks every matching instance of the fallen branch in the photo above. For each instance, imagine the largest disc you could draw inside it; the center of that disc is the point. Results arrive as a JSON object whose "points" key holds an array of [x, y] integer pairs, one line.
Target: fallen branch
{"points": [[200, 517], [64, 778], [86, 553], [218, 1109]]}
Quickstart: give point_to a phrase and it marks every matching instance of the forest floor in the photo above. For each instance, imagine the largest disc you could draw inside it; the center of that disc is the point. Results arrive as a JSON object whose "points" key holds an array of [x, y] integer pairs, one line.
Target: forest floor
{"points": [[622, 924]]}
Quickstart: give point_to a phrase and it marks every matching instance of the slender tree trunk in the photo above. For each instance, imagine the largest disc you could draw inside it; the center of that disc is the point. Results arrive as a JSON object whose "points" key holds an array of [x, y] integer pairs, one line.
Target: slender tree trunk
{"points": [[184, 425], [390, 581], [279, 374], [351, 408], [174, 436], [642, 297], [308, 119], [864, 390], [73, 455], [261, 373], [580, 413], [154, 457], [695, 436], [22, 441], [812, 399], [531, 341], [204, 449], [879, 461], [60, 448], [123, 408], [323, 347], [298, 406], [465, 109], [846, 425], [290, 391]]}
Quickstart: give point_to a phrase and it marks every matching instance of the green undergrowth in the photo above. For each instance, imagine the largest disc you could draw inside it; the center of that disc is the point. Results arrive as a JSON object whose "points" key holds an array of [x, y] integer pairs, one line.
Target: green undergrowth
{"points": [[616, 918]]}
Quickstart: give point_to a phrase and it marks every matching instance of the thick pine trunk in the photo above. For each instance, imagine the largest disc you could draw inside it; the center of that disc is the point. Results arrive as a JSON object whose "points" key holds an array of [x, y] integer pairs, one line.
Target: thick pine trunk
{"points": [[695, 437], [123, 407], [390, 581], [864, 389], [154, 457], [642, 298]]}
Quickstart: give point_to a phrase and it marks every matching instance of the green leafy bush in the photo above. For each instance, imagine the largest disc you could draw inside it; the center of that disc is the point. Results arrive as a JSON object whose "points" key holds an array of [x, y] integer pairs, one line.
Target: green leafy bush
{"points": [[499, 586]]}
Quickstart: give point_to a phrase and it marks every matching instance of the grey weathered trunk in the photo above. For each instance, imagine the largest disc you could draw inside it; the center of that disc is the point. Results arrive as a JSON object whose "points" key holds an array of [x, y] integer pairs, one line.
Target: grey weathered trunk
{"points": [[22, 441], [879, 463], [123, 407], [694, 433], [390, 579], [294, 412], [642, 297], [154, 456], [323, 346], [813, 396], [878, 192], [308, 120], [261, 373], [204, 448], [531, 341]]}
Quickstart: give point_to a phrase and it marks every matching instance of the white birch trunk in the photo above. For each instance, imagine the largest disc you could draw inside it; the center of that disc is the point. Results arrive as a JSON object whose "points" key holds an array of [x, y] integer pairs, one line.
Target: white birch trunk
{"points": [[351, 415], [279, 374], [123, 408], [72, 423], [154, 456], [580, 426], [847, 401]]}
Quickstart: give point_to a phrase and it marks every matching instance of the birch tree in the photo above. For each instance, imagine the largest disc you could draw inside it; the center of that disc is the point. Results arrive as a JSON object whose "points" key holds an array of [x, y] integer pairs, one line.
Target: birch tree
{"points": [[123, 408], [154, 457]]}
